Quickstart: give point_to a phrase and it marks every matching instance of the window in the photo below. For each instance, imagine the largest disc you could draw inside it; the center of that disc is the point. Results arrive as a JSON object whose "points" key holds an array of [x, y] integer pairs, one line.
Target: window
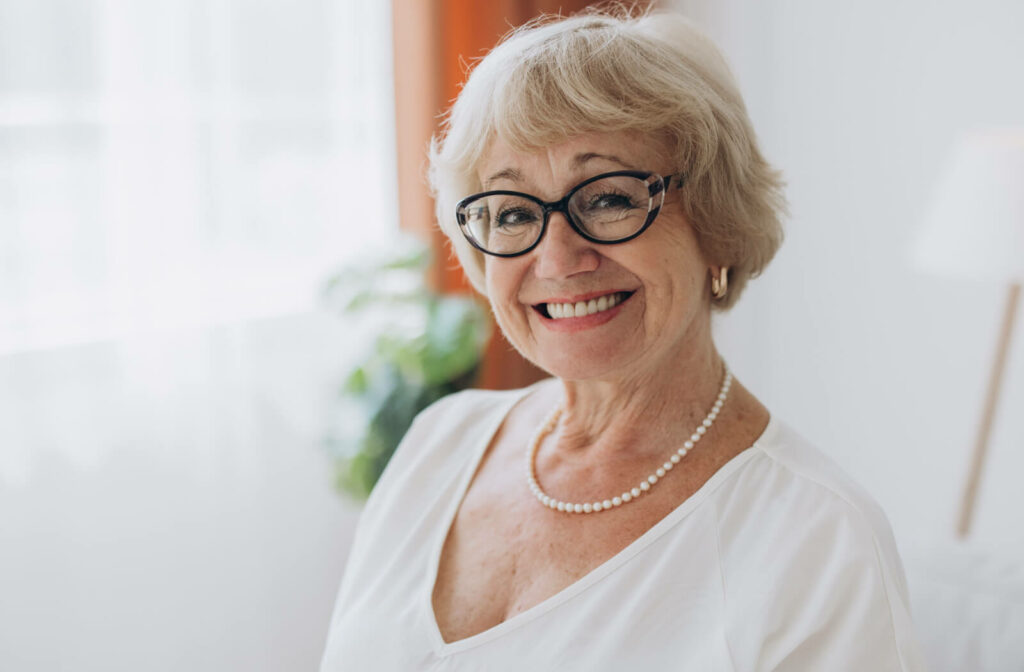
{"points": [[181, 163]]}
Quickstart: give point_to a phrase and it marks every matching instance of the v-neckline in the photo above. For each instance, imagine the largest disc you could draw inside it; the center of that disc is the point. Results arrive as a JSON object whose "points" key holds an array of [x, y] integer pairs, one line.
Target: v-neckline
{"points": [[443, 648]]}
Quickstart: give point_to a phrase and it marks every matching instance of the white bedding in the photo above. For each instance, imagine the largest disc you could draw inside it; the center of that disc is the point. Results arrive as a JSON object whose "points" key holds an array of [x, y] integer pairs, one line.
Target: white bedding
{"points": [[968, 605]]}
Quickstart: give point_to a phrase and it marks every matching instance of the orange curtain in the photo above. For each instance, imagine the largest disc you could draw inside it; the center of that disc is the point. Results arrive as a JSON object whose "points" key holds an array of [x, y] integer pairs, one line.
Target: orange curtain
{"points": [[434, 43]]}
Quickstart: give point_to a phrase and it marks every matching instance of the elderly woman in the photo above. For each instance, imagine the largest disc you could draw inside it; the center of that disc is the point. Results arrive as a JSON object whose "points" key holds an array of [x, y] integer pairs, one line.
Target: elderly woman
{"points": [[603, 188]]}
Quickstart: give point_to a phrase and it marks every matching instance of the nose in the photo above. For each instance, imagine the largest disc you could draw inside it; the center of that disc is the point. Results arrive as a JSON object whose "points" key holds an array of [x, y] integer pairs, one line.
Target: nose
{"points": [[563, 252]]}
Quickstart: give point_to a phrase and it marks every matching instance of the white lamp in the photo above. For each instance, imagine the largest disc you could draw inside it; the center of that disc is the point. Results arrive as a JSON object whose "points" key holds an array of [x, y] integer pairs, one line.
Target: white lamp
{"points": [[975, 229]]}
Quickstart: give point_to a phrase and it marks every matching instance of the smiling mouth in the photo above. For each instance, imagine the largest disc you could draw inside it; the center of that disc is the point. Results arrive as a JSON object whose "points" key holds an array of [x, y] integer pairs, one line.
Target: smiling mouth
{"points": [[561, 311]]}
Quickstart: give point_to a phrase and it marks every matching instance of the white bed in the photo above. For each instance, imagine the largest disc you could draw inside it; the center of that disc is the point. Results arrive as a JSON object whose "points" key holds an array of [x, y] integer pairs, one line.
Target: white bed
{"points": [[968, 604]]}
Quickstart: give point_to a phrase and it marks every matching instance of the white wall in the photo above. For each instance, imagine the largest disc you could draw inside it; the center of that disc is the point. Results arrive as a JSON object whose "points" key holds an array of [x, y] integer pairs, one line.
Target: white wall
{"points": [[881, 366]]}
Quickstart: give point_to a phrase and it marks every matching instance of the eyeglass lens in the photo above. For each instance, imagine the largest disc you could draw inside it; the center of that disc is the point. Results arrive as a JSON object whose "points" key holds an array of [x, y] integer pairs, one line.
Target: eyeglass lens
{"points": [[609, 209]]}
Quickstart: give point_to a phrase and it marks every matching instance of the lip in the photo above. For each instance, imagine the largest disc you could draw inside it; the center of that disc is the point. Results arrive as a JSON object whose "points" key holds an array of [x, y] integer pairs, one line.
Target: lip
{"points": [[574, 324]]}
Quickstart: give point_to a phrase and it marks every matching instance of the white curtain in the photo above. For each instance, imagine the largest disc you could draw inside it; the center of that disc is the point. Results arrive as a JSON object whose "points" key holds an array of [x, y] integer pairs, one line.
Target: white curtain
{"points": [[177, 180]]}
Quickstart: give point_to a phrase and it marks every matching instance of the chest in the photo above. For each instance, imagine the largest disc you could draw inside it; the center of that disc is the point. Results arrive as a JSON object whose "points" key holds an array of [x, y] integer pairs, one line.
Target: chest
{"points": [[635, 606], [496, 564], [505, 553]]}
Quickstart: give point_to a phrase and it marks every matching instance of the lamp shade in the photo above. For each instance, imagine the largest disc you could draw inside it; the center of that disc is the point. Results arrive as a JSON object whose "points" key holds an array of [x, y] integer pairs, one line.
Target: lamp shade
{"points": [[975, 222]]}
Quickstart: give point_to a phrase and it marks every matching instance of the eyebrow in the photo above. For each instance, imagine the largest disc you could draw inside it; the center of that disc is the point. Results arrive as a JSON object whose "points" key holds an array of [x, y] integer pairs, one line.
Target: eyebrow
{"points": [[581, 159], [506, 174], [578, 161]]}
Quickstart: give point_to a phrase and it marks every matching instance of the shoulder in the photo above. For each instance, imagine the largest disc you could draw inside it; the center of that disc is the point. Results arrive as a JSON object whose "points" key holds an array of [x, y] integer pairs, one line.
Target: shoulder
{"points": [[810, 563], [460, 407], [455, 423], [440, 446], [442, 438], [788, 480]]}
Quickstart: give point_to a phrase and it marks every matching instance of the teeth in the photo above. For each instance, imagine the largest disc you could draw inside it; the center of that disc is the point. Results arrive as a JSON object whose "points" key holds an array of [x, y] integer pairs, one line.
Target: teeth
{"points": [[560, 311]]}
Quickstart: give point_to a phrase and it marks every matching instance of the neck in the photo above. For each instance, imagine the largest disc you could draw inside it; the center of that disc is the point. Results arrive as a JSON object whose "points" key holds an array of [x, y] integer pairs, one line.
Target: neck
{"points": [[642, 411]]}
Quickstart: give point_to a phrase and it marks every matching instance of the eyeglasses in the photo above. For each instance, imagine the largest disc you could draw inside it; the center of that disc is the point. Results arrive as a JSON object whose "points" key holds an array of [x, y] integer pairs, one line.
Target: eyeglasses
{"points": [[605, 209]]}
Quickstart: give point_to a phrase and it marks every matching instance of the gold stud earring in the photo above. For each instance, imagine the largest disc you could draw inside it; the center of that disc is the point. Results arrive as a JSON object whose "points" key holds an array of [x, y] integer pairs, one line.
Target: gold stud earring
{"points": [[720, 283]]}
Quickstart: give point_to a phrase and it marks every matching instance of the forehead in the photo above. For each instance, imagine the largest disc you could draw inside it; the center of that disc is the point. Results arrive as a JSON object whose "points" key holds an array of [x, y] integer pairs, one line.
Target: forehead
{"points": [[560, 164]]}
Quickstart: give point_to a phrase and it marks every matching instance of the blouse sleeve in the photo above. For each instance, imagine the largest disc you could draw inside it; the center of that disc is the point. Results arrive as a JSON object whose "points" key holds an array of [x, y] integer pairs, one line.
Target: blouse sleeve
{"points": [[820, 587]]}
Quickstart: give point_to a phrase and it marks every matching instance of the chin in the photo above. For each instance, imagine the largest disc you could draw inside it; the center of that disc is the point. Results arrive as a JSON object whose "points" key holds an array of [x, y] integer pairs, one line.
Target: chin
{"points": [[575, 366]]}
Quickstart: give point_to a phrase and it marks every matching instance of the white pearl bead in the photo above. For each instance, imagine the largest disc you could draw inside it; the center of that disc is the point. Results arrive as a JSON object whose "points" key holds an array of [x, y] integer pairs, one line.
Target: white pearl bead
{"points": [[589, 507]]}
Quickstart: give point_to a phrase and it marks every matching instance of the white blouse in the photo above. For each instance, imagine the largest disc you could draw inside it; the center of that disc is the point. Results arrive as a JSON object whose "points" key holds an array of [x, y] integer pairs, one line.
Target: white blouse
{"points": [[779, 562]]}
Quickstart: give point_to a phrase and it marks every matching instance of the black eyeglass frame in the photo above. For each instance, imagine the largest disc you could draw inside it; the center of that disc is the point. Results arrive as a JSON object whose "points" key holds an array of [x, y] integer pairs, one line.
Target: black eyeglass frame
{"points": [[660, 186]]}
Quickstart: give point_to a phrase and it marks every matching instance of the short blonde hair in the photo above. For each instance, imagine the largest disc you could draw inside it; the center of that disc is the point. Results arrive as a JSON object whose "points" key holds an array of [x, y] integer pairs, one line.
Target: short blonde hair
{"points": [[611, 71]]}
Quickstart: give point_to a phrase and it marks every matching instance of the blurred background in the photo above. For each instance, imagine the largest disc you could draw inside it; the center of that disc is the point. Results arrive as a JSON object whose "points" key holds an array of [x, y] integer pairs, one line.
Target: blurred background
{"points": [[185, 184]]}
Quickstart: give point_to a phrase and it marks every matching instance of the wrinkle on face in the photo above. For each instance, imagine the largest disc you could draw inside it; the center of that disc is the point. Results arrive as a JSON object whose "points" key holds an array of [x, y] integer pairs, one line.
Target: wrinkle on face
{"points": [[664, 267]]}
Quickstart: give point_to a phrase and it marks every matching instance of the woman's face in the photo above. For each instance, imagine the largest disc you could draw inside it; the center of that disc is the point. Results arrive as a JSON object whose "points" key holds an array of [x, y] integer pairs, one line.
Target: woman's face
{"points": [[655, 283]]}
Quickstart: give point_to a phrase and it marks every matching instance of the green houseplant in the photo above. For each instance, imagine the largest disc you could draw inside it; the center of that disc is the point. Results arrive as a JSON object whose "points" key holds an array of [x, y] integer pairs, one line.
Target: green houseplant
{"points": [[420, 346]]}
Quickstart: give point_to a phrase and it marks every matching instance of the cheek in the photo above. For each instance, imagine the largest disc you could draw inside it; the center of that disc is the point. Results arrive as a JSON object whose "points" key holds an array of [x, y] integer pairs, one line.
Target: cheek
{"points": [[502, 279], [678, 270], [497, 285]]}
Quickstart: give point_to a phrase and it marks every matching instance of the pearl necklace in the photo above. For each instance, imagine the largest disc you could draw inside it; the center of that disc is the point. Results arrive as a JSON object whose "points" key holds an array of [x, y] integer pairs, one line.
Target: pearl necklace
{"points": [[629, 495]]}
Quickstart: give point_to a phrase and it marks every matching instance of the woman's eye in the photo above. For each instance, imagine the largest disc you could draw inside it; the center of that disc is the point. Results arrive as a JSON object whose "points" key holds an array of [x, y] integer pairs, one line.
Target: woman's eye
{"points": [[514, 217], [611, 202]]}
